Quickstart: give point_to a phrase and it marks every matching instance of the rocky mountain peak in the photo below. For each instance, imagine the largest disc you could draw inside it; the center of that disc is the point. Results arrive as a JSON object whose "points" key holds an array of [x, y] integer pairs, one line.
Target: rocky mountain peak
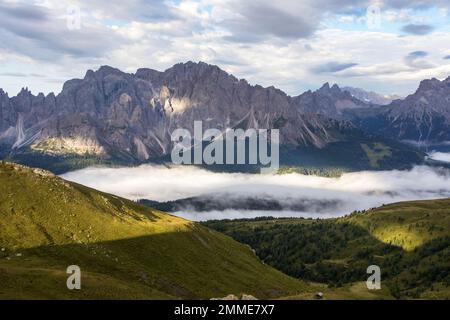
{"points": [[90, 74], [429, 84], [107, 70], [325, 87], [24, 92], [102, 72], [147, 73], [335, 87], [197, 69], [330, 101]]}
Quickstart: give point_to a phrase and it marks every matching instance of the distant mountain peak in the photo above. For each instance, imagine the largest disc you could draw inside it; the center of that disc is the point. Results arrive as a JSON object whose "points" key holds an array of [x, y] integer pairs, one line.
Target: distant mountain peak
{"points": [[329, 89], [24, 91], [325, 87], [371, 96], [330, 101]]}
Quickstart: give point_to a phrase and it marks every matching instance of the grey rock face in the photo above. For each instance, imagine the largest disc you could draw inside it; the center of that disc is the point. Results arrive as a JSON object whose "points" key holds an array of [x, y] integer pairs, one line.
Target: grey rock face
{"points": [[22, 117], [131, 116]]}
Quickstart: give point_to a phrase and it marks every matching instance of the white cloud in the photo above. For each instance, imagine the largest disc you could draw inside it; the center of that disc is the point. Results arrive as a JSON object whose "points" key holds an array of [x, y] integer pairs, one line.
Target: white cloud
{"points": [[324, 196], [282, 51]]}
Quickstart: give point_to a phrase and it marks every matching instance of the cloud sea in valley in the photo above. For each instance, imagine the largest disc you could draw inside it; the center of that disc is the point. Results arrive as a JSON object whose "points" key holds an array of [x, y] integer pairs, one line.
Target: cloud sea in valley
{"points": [[296, 195]]}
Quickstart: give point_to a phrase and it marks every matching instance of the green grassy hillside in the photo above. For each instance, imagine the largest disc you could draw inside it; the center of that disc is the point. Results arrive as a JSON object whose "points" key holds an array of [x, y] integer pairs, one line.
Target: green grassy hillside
{"points": [[124, 250], [408, 225], [410, 241]]}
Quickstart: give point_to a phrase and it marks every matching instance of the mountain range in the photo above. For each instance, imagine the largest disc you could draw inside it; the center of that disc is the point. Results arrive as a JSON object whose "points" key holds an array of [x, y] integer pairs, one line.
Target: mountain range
{"points": [[110, 115]]}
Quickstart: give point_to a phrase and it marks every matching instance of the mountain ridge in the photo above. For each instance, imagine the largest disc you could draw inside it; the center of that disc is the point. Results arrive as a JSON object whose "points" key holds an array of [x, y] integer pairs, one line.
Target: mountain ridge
{"points": [[422, 118], [108, 94], [128, 118]]}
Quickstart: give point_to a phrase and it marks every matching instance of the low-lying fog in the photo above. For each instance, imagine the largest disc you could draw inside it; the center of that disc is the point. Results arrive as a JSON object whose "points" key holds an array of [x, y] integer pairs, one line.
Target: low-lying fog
{"points": [[296, 195], [440, 156]]}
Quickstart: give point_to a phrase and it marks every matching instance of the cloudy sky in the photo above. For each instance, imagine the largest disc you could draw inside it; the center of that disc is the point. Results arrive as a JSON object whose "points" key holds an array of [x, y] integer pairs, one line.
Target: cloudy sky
{"points": [[383, 45]]}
